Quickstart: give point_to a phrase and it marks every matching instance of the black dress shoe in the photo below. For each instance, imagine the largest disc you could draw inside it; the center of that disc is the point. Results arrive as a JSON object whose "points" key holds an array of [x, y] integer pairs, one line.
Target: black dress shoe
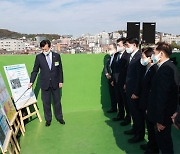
{"points": [[144, 147], [117, 119], [48, 123], [61, 121], [111, 111], [125, 122], [129, 132], [136, 139]]}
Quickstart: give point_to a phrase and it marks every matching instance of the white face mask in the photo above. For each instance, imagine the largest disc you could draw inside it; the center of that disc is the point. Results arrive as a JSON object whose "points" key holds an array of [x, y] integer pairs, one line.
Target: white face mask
{"points": [[46, 53], [111, 52], [145, 61], [120, 49], [156, 58], [129, 50]]}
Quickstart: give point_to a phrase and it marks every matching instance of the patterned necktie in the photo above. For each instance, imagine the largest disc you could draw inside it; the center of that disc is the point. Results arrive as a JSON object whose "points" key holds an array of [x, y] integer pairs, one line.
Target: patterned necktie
{"points": [[49, 61]]}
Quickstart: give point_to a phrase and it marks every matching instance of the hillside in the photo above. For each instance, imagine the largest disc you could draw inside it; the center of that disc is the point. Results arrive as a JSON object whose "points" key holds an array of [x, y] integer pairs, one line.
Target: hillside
{"points": [[4, 33]]}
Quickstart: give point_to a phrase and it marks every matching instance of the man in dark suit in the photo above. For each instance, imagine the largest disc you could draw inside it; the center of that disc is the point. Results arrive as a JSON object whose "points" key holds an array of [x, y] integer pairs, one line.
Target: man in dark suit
{"points": [[108, 73], [163, 97], [51, 80], [151, 69], [119, 79], [134, 76]]}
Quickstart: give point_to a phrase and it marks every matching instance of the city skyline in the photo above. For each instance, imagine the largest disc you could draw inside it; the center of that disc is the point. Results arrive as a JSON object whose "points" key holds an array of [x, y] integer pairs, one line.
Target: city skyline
{"points": [[78, 17]]}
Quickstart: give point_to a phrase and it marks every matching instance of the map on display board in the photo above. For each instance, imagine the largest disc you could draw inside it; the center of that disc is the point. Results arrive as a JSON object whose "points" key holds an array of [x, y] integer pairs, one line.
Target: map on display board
{"points": [[4, 130], [6, 102], [18, 80]]}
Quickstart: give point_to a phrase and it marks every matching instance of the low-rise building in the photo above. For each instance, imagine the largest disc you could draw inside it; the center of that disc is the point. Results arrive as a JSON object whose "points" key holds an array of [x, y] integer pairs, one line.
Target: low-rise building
{"points": [[12, 44]]}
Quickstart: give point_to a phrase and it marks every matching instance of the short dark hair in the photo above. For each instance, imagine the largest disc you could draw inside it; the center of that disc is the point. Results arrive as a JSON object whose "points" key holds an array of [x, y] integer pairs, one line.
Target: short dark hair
{"points": [[44, 42], [133, 40], [123, 39], [165, 47], [148, 51]]}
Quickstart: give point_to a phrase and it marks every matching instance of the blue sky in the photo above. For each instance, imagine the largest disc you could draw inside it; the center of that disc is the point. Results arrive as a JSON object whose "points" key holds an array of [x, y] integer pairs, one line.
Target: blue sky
{"points": [[77, 17]]}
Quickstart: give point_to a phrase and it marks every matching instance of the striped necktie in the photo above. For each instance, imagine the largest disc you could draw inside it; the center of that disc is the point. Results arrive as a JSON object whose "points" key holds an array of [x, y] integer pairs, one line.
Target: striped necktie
{"points": [[49, 61]]}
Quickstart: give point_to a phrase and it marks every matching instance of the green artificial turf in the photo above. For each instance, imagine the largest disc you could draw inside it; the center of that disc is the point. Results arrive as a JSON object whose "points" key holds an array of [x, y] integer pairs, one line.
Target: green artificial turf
{"points": [[85, 100]]}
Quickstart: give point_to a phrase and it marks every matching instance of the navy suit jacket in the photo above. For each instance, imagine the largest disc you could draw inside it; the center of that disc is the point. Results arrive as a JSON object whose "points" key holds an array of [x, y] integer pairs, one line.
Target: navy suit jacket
{"points": [[163, 97], [134, 76], [146, 86], [120, 69], [47, 76], [109, 68]]}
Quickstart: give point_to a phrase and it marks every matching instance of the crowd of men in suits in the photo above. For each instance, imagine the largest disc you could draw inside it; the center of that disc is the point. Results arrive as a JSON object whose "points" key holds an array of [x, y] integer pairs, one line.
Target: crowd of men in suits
{"points": [[143, 86]]}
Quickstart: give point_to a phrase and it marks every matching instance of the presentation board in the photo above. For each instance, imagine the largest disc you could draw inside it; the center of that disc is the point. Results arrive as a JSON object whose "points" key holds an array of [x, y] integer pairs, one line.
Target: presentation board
{"points": [[18, 80], [4, 131], [6, 102]]}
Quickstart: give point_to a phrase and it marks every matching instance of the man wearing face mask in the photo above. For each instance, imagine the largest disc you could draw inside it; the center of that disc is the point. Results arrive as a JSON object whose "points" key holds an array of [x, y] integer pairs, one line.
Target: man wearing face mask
{"points": [[163, 97], [119, 78], [151, 69], [51, 80], [108, 70], [135, 73]]}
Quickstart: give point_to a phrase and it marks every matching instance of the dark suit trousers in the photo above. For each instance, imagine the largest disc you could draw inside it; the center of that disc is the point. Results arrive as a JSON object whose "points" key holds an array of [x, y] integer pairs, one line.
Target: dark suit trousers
{"points": [[121, 101], [46, 98], [112, 96], [164, 140], [152, 142], [137, 118]]}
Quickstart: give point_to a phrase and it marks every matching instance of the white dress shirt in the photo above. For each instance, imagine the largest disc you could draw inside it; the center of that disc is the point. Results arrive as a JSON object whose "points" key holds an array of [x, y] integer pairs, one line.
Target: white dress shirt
{"points": [[132, 55], [159, 65], [49, 54]]}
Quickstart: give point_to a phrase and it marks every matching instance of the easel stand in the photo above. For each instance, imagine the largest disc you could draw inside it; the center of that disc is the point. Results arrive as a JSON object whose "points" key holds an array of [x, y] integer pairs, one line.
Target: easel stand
{"points": [[15, 126], [29, 114], [10, 145]]}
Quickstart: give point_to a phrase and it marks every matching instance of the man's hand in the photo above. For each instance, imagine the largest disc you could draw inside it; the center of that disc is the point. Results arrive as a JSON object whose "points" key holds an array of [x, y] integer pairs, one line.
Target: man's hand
{"points": [[30, 85], [146, 111], [134, 96], [60, 85], [124, 87], [112, 83], [160, 127], [174, 116], [108, 76]]}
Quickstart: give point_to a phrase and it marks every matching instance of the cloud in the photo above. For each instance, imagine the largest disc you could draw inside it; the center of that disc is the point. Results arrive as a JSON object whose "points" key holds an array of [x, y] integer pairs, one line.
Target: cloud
{"points": [[79, 16]]}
